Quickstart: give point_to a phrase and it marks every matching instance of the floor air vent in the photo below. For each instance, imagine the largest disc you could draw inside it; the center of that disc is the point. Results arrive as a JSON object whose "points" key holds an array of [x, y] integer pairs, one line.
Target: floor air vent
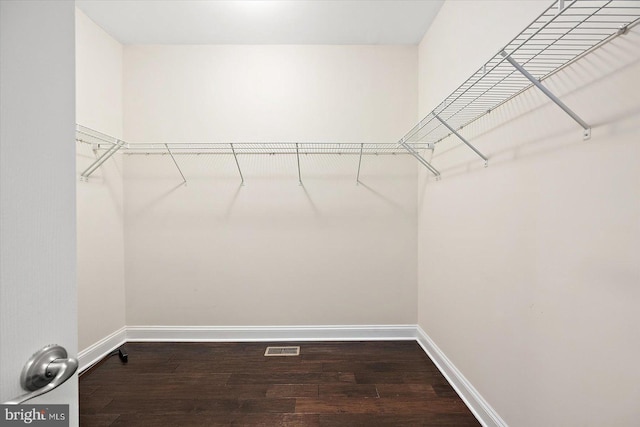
{"points": [[282, 351]]}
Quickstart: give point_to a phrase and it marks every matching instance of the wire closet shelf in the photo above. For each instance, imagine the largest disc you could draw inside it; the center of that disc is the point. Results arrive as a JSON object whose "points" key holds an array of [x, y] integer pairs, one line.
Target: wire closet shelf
{"points": [[110, 145], [563, 33], [101, 141]]}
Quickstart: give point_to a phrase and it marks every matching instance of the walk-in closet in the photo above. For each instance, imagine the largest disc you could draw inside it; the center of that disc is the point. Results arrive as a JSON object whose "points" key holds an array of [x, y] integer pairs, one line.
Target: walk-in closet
{"points": [[322, 213]]}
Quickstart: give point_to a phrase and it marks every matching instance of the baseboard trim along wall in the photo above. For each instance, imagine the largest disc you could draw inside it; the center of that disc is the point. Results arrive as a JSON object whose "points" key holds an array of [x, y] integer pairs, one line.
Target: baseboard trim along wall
{"points": [[487, 416], [271, 333], [476, 403], [96, 352]]}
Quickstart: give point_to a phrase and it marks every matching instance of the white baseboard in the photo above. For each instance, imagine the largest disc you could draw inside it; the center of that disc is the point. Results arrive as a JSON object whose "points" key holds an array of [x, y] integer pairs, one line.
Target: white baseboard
{"points": [[487, 416], [95, 352], [271, 333]]}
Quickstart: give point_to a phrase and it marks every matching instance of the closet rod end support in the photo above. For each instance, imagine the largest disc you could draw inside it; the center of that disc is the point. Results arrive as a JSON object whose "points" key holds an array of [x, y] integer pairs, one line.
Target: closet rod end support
{"points": [[586, 134]]}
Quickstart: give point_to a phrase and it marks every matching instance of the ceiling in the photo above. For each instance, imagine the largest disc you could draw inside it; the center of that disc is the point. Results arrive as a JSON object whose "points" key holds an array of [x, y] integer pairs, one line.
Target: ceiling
{"points": [[263, 21]]}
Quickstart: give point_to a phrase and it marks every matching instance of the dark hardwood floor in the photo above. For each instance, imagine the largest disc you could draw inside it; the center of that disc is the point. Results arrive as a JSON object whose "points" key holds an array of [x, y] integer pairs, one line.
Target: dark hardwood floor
{"points": [[378, 383]]}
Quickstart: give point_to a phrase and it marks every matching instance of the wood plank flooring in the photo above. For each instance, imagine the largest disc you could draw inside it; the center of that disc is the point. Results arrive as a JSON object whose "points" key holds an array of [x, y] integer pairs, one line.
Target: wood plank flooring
{"points": [[232, 384]]}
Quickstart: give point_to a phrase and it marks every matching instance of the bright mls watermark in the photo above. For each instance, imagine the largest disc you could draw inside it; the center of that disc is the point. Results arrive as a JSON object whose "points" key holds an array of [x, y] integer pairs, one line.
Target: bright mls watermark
{"points": [[34, 415]]}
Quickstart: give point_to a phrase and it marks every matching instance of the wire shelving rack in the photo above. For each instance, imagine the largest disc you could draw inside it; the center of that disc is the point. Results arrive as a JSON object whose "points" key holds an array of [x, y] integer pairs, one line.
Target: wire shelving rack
{"points": [[108, 146], [563, 33]]}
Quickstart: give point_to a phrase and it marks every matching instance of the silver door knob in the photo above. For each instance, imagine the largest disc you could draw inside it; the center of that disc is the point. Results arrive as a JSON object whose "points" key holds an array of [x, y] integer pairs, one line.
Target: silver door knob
{"points": [[45, 370]]}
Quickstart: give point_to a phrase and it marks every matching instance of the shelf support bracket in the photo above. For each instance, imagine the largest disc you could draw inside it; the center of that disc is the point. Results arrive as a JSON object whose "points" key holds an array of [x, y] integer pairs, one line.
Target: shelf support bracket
{"points": [[587, 129], [467, 143], [421, 159], [237, 164], [184, 180], [298, 159], [359, 163], [100, 160], [560, 6]]}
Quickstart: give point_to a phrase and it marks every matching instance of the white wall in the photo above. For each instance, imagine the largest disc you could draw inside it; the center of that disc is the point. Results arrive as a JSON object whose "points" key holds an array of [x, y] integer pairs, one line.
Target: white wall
{"points": [[37, 191], [528, 270], [269, 93], [101, 305], [272, 252]]}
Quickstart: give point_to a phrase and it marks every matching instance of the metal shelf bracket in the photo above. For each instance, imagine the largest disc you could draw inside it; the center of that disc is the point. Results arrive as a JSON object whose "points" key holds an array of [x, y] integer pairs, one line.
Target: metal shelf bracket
{"points": [[298, 159], [103, 158], [359, 164], [587, 129], [184, 180], [421, 159], [235, 156], [467, 143]]}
